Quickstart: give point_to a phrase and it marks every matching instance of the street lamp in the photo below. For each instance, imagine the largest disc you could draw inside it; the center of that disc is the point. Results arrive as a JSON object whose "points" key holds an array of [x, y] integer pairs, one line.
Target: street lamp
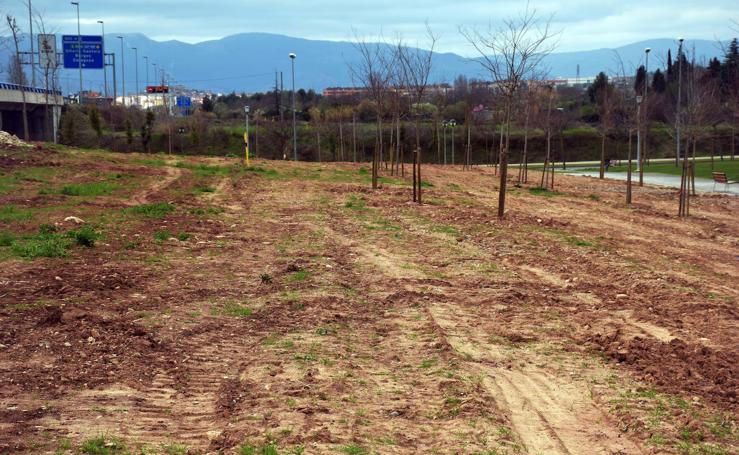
{"points": [[246, 133], [679, 96], [105, 68], [123, 71], [643, 156], [295, 130], [136, 58], [452, 125], [79, 47], [146, 59]]}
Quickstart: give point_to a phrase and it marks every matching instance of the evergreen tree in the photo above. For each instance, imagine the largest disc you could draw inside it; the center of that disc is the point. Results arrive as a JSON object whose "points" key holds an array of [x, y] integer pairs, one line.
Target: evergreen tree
{"points": [[670, 68], [208, 104], [640, 79], [659, 84]]}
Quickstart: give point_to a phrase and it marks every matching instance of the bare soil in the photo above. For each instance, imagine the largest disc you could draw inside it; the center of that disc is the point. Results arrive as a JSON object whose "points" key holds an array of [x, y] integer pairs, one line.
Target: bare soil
{"points": [[289, 306]]}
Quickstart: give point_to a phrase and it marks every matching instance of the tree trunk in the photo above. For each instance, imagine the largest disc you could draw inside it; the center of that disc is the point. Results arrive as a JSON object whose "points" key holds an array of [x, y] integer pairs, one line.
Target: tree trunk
{"points": [[341, 140], [354, 136], [628, 173], [504, 161], [603, 155]]}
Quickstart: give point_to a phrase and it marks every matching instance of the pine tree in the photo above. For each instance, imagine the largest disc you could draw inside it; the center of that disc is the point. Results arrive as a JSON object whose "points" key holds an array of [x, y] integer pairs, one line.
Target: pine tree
{"points": [[670, 68], [640, 79]]}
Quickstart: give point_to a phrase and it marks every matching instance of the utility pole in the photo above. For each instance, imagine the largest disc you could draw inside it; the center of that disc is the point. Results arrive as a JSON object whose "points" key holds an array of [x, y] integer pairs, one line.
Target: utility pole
{"points": [[33, 56], [105, 69], [79, 48], [115, 82], [123, 72]]}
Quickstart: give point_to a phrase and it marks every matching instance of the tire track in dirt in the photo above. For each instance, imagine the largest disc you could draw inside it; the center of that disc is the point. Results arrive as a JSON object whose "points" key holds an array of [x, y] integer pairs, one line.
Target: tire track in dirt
{"points": [[144, 196], [550, 414]]}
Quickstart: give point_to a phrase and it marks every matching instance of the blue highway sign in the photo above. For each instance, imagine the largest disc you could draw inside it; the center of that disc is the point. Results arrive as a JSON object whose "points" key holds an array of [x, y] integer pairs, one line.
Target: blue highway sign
{"points": [[184, 101], [90, 52]]}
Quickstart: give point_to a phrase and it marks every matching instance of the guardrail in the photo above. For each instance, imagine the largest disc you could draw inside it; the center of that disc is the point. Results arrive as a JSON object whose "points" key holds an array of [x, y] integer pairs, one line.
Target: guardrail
{"points": [[42, 91]]}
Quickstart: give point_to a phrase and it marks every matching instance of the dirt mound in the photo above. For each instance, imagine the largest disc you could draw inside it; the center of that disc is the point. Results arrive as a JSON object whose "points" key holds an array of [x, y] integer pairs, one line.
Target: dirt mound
{"points": [[11, 140], [677, 366]]}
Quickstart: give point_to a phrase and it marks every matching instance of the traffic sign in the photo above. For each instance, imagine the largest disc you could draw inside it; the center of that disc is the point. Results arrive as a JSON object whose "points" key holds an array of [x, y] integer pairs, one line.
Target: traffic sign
{"points": [[88, 48], [47, 51], [184, 101]]}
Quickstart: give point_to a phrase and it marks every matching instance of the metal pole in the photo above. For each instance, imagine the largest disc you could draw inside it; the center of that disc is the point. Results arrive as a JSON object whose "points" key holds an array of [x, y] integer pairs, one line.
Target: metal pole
{"points": [[646, 118], [136, 56], [444, 126], [123, 73], [105, 69], [115, 82], [146, 59], [79, 48], [33, 57], [295, 130], [679, 94]]}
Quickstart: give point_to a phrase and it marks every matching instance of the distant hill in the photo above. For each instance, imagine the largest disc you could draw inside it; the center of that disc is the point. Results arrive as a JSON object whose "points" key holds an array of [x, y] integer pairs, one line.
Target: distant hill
{"points": [[248, 61]]}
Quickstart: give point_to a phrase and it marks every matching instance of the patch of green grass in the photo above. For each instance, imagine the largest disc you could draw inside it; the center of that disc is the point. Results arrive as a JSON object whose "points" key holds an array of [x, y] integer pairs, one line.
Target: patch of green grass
{"points": [[104, 445], [353, 449], [233, 309], [357, 203], [10, 213], [268, 449], [702, 168], [36, 174], [183, 236], [204, 189], [88, 189], [262, 171], [174, 449], [6, 238], [158, 210], [539, 191], [445, 230], [48, 245], [85, 236], [300, 275], [428, 363], [199, 211], [151, 162], [162, 236], [594, 197]]}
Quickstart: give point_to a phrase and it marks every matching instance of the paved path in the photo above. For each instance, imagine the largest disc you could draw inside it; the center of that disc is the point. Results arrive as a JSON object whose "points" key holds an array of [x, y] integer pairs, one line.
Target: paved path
{"points": [[673, 181]]}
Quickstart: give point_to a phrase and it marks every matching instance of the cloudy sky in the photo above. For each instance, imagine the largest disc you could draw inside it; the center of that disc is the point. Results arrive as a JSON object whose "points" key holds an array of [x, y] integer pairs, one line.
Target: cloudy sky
{"points": [[584, 24]]}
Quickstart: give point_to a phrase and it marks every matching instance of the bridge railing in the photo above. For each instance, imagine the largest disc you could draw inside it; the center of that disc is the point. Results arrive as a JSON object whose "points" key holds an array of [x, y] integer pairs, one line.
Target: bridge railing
{"points": [[42, 91]]}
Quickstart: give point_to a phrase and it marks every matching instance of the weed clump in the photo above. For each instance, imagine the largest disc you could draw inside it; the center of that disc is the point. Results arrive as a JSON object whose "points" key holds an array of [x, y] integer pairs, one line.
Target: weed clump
{"points": [[158, 210]]}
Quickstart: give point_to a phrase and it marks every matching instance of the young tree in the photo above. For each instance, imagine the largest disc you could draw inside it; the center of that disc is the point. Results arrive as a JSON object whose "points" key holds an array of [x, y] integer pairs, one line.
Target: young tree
{"points": [[601, 93], [511, 54], [373, 70], [416, 66], [146, 129]]}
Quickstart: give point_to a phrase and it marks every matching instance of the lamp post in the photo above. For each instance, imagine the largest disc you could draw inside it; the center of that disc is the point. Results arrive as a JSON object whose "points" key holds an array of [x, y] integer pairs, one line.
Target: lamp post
{"points": [[136, 57], [679, 97], [444, 125], [123, 72], [79, 48], [452, 124], [146, 59], [246, 134], [295, 130], [33, 57], [646, 117], [105, 69]]}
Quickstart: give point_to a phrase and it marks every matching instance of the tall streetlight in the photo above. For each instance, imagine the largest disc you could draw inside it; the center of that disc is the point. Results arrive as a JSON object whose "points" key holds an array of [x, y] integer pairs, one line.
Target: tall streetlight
{"points": [[146, 59], [33, 55], [123, 71], [79, 47], [646, 116], [105, 69], [295, 130], [679, 96], [136, 58]]}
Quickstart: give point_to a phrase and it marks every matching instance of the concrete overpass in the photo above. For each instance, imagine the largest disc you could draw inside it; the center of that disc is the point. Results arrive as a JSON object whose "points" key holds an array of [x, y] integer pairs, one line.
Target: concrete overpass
{"points": [[11, 111]]}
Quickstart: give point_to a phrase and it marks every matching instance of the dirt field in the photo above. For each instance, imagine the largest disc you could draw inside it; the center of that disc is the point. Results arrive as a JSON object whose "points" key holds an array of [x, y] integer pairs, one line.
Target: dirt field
{"points": [[287, 308]]}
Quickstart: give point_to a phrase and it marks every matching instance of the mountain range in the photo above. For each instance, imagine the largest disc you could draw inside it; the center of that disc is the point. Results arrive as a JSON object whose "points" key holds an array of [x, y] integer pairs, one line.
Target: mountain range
{"points": [[247, 62]]}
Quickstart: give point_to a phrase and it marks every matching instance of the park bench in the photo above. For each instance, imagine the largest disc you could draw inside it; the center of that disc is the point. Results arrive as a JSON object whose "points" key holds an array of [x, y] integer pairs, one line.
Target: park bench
{"points": [[720, 178]]}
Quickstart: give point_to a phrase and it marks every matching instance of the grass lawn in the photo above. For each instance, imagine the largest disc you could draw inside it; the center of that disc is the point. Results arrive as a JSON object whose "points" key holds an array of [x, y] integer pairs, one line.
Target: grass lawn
{"points": [[702, 169]]}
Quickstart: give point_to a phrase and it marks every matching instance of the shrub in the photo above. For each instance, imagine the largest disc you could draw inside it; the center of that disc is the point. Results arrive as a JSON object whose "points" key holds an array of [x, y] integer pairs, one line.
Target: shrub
{"points": [[84, 236]]}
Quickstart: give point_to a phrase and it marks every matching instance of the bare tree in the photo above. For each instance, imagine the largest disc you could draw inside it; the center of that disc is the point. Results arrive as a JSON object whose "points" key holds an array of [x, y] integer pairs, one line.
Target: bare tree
{"points": [[374, 70], [17, 75], [416, 64], [50, 71], [511, 54]]}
